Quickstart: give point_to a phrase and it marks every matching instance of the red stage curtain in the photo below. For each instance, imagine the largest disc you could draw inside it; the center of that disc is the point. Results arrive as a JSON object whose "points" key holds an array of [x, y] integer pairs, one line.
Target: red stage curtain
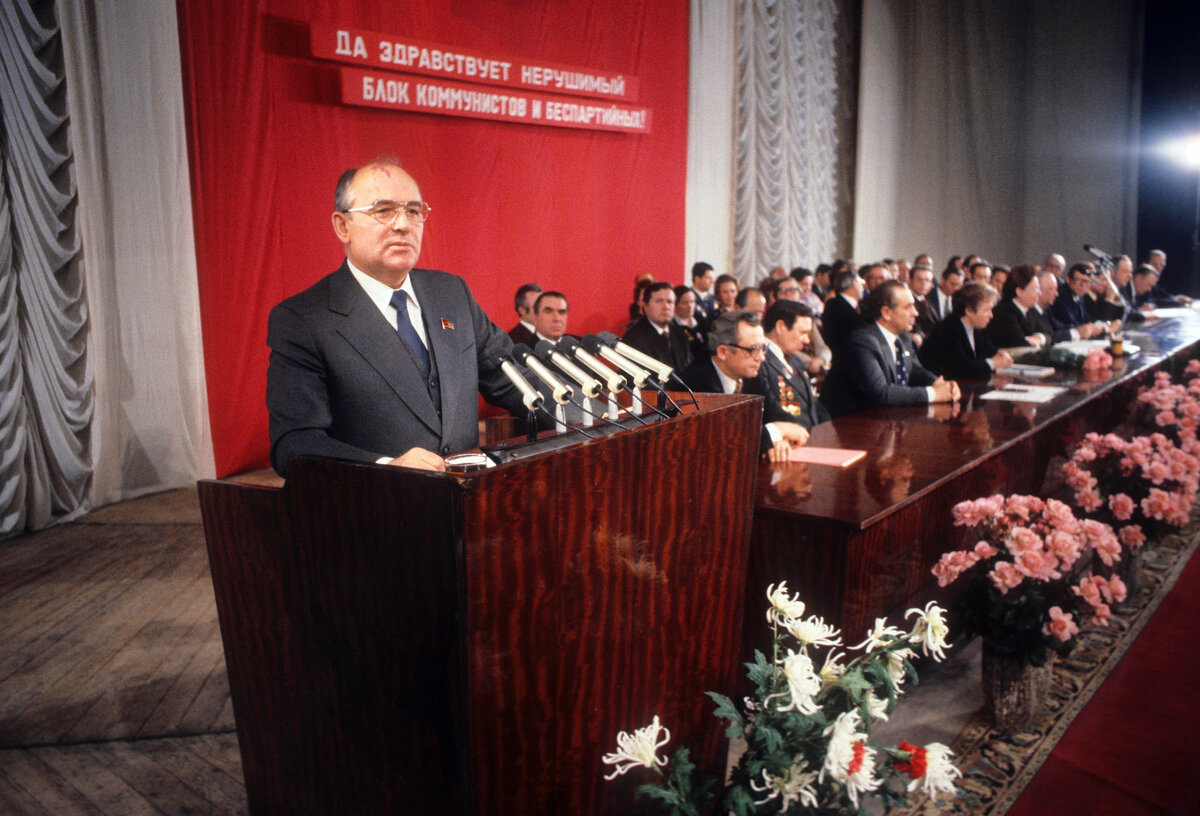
{"points": [[576, 210]]}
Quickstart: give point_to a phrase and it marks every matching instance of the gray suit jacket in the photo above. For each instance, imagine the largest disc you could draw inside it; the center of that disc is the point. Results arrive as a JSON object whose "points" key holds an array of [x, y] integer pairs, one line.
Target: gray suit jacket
{"points": [[341, 383]]}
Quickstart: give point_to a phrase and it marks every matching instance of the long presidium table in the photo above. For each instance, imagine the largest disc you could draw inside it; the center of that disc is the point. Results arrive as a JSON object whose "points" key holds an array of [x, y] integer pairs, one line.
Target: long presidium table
{"points": [[859, 543]]}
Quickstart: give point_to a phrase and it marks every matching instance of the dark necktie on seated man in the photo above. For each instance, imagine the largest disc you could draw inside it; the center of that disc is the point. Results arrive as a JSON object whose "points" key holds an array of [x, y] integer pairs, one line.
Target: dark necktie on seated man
{"points": [[405, 327], [901, 368]]}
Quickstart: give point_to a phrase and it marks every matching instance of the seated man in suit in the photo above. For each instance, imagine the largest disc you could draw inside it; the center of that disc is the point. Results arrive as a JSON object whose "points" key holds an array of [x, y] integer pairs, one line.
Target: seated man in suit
{"points": [[523, 303], [703, 277], [549, 317], [1157, 260], [1042, 315], [951, 282], [959, 346], [781, 379], [736, 350], [1148, 295], [841, 315], [921, 285], [1015, 322], [877, 366], [1070, 308], [656, 333], [381, 361]]}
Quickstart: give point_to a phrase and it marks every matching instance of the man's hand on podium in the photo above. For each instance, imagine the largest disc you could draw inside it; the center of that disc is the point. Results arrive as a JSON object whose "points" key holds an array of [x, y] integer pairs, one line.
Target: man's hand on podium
{"points": [[420, 459], [791, 435]]}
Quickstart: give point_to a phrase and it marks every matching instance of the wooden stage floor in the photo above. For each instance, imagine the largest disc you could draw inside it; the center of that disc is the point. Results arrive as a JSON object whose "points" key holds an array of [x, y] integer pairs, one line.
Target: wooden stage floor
{"points": [[113, 692]]}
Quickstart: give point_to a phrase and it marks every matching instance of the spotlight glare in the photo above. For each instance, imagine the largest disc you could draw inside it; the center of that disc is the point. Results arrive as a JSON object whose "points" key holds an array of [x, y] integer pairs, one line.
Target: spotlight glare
{"points": [[1186, 150]]}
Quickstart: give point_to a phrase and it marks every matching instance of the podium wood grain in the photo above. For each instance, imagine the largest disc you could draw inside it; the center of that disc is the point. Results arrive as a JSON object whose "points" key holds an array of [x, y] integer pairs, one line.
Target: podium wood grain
{"points": [[408, 642]]}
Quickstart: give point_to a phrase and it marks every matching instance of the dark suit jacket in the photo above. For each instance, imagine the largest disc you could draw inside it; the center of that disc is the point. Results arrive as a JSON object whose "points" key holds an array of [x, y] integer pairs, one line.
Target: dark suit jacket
{"points": [[701, 376], [341, 383], [927, 316], [1102, 309], [1069, 312], [520, 334], [787, 397], [1009, 327], [838, 322], [1048, 325], [864, 376], [948, 352], [1158, 296], [675, 350]]}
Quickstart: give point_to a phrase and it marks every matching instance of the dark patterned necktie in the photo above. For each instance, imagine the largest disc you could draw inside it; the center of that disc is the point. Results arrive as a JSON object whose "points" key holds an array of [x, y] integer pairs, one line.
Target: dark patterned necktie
{"points": [[901, 369], [405, 327]]}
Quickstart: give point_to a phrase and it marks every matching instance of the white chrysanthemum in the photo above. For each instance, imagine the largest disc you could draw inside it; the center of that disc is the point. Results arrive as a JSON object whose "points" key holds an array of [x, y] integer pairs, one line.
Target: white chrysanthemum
{"points": [[930, 630], [795, 785], [813, 632], [803, 683], [848, 760], [940, 772], [638, 750], [832, 671], [895, 667], [880, 635], [877, 708], [783, 606]]}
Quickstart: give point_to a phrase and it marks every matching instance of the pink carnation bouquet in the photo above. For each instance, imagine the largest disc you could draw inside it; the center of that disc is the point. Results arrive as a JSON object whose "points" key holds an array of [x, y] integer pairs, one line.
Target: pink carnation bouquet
{"points": [[1174, 410], [1097, 361], [1141, 486], [1023, 592]]}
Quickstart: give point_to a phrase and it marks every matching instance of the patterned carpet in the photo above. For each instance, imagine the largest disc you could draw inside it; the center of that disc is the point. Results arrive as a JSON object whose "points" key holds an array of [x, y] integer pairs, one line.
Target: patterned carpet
{"points": [[995, 768]]}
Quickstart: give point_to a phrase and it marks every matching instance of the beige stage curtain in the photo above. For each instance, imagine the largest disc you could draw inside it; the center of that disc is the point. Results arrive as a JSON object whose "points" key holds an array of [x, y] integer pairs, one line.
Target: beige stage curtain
{"points": [[1007, 129], [45, 377], [150, 430], [795, 110], [710, 194], [101, 379]]}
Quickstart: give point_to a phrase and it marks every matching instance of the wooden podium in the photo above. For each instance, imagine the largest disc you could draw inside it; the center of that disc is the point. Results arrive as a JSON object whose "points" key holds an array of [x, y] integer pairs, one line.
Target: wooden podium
{"points": [[409, 642]]}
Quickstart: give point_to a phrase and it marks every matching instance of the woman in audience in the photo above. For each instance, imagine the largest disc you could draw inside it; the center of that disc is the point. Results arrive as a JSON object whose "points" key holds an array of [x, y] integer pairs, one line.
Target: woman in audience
{"points": [[1015, 321], [685, 316]]}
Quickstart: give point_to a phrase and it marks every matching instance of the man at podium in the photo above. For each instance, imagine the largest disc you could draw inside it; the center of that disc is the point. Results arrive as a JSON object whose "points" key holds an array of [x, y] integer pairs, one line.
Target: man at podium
{"points": [[381, 361]]}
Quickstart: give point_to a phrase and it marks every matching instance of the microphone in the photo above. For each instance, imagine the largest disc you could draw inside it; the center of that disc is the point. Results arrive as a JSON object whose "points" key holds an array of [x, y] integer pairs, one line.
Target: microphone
{"points": [[611, 378], [660, 369], [529, 395], [560, 391], [1107, 267], [640, 375], [590, 385]]}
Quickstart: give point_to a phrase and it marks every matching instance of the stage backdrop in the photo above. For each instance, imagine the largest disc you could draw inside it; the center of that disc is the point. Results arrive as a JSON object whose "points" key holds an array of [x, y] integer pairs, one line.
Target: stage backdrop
{"points": [[578, 210]]}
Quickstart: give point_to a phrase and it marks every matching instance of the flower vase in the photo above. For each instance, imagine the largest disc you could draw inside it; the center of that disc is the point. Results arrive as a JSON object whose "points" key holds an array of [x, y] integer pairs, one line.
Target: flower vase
{"points": [[1131, 568], [1014, 692]]}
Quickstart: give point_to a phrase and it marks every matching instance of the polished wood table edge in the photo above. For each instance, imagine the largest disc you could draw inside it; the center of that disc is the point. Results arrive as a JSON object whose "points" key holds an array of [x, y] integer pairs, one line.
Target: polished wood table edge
{"points": [[1133, 367]]}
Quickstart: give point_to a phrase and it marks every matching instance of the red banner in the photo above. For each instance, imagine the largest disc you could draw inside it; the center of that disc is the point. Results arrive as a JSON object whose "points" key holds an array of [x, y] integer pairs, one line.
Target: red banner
{"points": [[359, 47], [399, 92]]}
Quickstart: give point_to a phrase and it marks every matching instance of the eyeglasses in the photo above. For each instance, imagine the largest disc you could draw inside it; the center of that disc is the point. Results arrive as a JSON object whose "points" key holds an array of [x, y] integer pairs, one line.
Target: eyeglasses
{"points": [[385, 212], [761, 348]]}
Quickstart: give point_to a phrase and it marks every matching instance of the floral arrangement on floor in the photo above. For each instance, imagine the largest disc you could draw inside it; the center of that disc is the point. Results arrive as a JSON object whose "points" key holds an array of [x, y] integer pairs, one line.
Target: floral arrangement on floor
{"points": [[1023, 595], [1094, 362], [1143, 486], [807, 729], [1174, 410]]}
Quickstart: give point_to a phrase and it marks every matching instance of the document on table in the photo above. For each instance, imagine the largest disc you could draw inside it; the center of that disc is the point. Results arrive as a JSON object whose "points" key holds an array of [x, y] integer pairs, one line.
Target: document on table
{"points": [[825, 456], [1024, 393], [1170, 311]]}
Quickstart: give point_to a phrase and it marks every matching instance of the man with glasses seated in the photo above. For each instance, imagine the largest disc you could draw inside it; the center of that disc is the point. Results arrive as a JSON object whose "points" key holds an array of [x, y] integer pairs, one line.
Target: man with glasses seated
{"points": [[877, 365], [737, 349], [381, 361]]}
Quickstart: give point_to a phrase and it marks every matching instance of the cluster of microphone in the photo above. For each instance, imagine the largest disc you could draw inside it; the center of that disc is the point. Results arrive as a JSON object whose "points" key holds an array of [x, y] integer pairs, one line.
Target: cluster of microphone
{"points": [[578, 371]]}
